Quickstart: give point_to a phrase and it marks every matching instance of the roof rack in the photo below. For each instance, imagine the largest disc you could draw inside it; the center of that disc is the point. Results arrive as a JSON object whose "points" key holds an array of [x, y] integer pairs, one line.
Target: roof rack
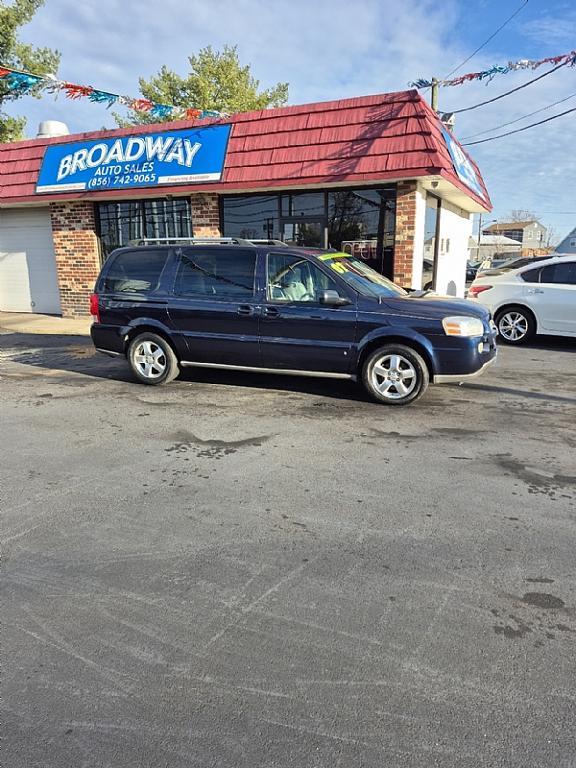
{"points": [[268, 241], [190, 241]]}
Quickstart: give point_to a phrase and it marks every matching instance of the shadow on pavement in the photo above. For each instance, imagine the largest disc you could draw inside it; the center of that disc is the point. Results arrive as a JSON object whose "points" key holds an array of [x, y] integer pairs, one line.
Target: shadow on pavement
{"points": [[520, 393], [558, 343], [76, 354]]}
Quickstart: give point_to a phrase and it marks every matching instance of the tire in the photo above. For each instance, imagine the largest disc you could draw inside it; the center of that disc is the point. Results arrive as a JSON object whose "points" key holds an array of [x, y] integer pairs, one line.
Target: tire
{"points": [[395, 374], [516, 325], [152, 359]]}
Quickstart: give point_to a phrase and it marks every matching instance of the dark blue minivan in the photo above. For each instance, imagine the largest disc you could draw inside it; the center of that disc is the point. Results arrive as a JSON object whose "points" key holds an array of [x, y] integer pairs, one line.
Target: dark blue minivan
{"points": [[275, 308]]}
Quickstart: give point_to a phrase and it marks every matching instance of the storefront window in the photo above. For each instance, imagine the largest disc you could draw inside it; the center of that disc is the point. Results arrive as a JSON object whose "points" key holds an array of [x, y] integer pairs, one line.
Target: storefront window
{"points": [[358, 221], [362, 222], [253, 217], [303, 204], [430, 223], [119, 223], [305, 233]]}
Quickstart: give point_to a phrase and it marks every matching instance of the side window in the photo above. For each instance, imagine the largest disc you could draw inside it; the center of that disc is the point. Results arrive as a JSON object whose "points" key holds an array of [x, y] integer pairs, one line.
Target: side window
{"points": [[220, 274], [531, 276], [135, 271], [563, 273], [291, 278]]}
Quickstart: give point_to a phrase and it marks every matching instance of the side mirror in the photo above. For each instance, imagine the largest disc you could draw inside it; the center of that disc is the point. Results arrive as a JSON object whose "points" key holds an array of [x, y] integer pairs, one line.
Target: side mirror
{"points": [[333, 299]]}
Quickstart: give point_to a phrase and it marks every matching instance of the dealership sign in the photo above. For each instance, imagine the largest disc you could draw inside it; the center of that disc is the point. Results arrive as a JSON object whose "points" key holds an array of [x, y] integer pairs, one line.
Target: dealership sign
{"points": [[172, 157], [462, 165]]}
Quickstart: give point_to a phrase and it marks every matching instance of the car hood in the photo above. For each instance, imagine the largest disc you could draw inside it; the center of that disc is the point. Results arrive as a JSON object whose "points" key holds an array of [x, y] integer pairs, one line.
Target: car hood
{"points": [[426, 305]]}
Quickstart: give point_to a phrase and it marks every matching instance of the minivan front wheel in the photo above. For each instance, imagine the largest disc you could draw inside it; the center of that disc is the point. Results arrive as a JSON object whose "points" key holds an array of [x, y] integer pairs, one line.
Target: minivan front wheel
{"points": [[395, 375], [152, 359]]}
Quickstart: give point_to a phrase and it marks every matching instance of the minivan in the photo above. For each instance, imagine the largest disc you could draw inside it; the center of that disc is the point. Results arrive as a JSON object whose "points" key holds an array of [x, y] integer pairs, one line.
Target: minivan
{"points": [[232, 304]]}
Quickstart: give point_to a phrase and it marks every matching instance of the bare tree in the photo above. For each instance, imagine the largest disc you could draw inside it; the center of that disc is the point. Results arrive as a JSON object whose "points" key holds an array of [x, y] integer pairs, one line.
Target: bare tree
{"points": [[551, 237], [520, 214]]}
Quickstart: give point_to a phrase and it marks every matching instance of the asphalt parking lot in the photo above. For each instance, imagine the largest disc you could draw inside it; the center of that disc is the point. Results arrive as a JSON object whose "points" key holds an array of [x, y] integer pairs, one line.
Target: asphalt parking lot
{"points": [[238, 571]]}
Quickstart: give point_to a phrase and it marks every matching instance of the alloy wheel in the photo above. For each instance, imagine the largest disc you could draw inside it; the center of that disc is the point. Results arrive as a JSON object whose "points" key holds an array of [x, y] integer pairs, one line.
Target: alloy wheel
{"points": [[150, 359], [513, 326], [393, 376]]}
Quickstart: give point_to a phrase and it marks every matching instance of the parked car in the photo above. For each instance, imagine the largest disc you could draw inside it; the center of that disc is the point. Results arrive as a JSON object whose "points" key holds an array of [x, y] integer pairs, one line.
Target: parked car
{"points": [[282, 309], [531, 300], [427, 275], [492, 263], [509, 264], [471, 270]]}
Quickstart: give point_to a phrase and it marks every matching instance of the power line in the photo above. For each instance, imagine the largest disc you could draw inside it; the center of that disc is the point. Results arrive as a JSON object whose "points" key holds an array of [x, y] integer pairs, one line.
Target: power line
{"points": [[492, 36], [502, 95], [485, 43], [519, 130], [518, 119]]}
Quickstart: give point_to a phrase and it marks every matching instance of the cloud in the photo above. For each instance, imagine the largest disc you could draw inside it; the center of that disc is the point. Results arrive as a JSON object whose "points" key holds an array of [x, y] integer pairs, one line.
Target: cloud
{"points": [[325, 49], [552, 29]]}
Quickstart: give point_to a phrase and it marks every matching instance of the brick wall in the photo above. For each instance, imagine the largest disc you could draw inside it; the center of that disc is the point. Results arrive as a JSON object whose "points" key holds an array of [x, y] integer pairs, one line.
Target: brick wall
{"points": [[76, 249], [205, 215], [404, 243]]}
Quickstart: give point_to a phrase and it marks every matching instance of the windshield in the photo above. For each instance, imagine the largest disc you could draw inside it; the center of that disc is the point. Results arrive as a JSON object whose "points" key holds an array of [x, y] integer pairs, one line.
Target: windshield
{"points": [[361, 277]]}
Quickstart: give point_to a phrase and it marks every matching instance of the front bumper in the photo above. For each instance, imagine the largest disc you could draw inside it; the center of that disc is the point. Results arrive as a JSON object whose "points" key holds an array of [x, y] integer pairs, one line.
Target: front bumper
{"points": [[451, 378], [465, 358]]}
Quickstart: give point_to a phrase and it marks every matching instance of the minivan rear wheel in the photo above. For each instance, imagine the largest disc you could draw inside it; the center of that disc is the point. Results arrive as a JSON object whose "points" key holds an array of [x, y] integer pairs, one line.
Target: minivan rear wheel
{"points": [[395, 374], [152, 359]]}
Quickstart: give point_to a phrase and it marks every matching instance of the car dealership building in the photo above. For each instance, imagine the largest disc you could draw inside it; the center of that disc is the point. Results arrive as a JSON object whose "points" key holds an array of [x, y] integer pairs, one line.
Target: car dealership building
{"points": [[378, 176]]}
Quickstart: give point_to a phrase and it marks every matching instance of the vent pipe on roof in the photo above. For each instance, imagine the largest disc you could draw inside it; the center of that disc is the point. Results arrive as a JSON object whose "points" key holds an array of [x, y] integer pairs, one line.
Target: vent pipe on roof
{"points": [[51, 128]]}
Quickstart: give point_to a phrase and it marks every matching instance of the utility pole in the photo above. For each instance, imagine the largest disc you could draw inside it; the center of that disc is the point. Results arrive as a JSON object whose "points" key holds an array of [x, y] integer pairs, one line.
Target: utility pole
{"points": [[434, 97], [479, 236]]}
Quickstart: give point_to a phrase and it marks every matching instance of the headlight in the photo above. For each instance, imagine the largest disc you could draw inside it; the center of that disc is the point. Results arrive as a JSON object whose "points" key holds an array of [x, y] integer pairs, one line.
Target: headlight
{"points": [[463, 325]]}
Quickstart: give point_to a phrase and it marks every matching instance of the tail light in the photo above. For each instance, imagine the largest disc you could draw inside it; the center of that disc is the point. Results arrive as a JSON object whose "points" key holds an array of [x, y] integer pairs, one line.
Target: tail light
{"points": [[474, 290], [95, 307]]}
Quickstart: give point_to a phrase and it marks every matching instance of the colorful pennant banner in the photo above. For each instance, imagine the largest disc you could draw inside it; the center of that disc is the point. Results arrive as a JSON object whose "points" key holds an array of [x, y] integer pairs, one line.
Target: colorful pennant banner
{"points": [[511, 66], [23, 83]]}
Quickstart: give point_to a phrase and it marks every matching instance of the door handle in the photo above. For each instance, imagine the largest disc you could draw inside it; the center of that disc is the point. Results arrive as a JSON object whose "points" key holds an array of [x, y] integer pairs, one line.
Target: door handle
{"points": [[245, 309], [271, 312]]}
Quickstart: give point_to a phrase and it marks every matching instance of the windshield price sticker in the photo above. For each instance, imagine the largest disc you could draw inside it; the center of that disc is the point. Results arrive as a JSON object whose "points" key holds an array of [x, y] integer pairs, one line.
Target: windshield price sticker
{"points": [[329, 256]]}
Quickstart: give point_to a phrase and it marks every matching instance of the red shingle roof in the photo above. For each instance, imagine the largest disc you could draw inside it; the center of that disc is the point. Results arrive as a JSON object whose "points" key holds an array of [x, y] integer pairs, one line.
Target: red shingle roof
{"points": [[367, 139]]}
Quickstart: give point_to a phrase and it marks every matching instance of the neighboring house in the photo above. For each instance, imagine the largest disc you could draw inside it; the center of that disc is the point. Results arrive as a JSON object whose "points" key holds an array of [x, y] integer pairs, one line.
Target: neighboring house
{"points": [[530, 234], [568, 245], [494, 247]]}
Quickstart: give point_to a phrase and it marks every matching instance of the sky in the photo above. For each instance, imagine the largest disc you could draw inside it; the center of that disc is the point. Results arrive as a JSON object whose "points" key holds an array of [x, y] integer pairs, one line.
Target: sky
{"points": [[340, 48]]}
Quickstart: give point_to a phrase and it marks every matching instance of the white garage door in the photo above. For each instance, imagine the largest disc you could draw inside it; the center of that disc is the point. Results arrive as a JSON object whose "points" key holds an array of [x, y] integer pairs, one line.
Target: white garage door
{"points": [[28, 281]]}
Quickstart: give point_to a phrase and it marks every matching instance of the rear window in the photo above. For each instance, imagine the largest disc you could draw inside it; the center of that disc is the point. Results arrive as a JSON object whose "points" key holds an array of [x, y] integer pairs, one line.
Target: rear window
{"points": [[218, 274], [135, 271]]}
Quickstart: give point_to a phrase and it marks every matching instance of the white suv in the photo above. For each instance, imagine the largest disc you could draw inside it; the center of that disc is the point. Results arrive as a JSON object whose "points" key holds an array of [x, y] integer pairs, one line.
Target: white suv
{"points": [[530, 300]]}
